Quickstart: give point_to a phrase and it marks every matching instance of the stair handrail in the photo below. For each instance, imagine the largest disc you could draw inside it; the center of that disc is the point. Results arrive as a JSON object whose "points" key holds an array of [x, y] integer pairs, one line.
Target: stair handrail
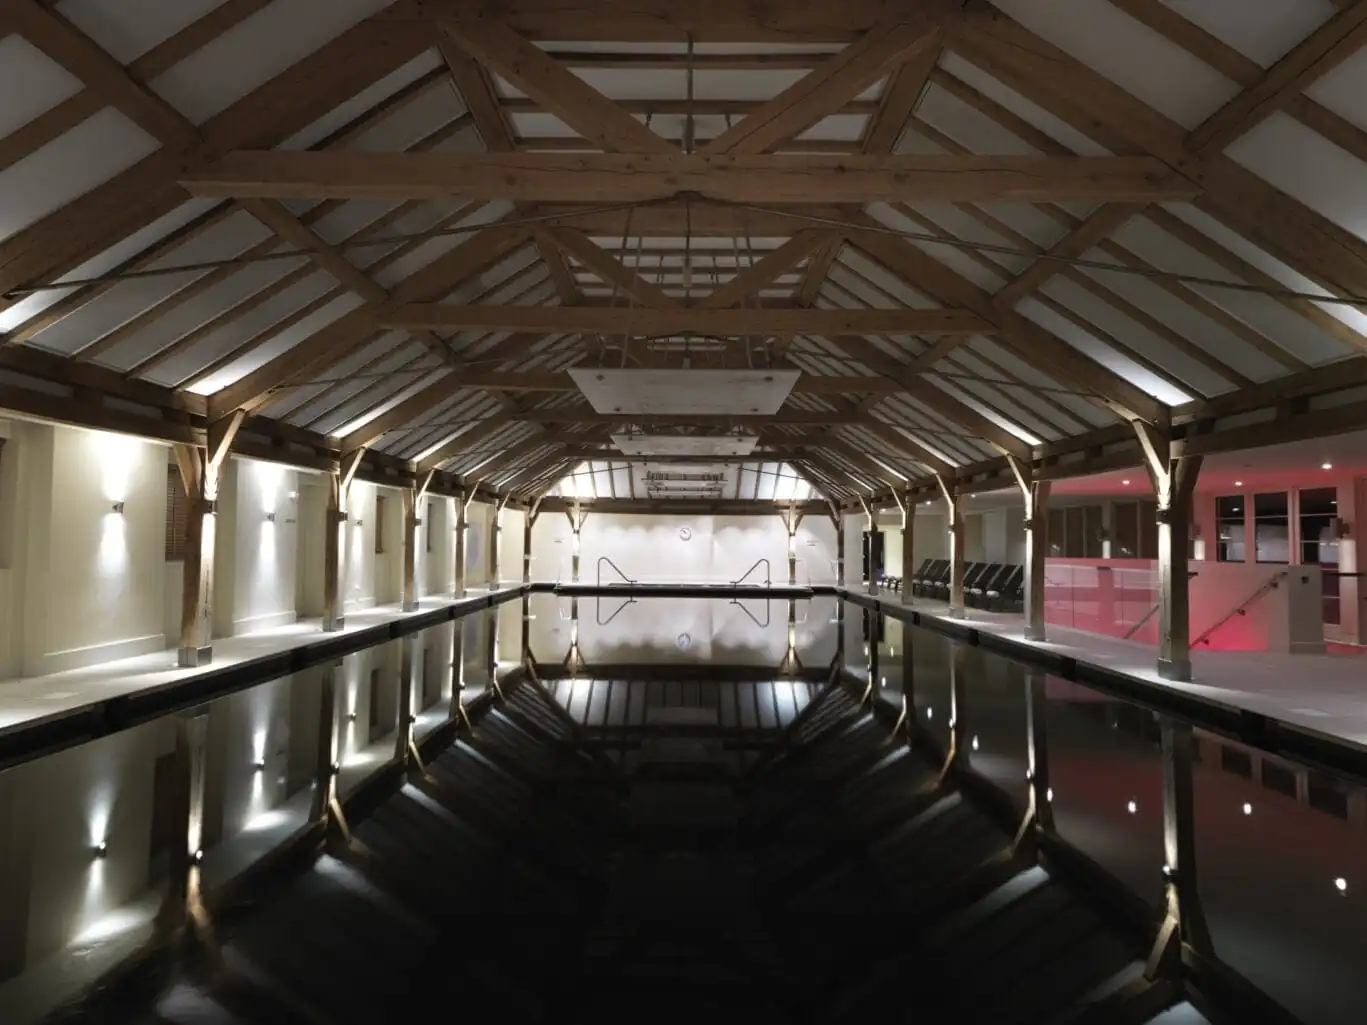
{"points": [[1268, 586], [602, 559], [1150, 614], [768, 573]]}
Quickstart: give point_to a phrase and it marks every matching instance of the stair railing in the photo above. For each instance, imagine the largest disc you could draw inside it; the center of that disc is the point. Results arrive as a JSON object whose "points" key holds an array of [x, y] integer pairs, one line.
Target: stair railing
{"points": [[1268, 586]]}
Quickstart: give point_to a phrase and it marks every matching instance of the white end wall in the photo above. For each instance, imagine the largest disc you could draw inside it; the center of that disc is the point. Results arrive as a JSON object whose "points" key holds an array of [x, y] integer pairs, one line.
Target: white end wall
{"points": [[82, 584], [257, 558], [679, 548]]}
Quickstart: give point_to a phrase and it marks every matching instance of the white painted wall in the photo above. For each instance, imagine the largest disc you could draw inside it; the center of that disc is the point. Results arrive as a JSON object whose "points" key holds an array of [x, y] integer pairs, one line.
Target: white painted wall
{"points": [[361, 585], [82, 584], [679, 548], [257, 557], [512, 524], [478, 517]]}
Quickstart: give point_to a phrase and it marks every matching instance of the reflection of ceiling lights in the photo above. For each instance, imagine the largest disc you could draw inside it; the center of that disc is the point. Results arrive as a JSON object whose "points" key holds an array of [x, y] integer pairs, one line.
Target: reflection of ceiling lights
{"points": [[714, 446], [685, 392]]}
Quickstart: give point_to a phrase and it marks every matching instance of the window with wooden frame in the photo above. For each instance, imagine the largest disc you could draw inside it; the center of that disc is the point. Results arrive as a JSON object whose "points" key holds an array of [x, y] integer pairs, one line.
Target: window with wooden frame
{"points": [[380, 503], [177, 515]]}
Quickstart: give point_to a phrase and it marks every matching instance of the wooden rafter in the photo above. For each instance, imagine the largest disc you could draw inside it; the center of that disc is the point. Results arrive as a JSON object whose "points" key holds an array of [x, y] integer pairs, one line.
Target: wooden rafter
{"points": [[631, 177]]}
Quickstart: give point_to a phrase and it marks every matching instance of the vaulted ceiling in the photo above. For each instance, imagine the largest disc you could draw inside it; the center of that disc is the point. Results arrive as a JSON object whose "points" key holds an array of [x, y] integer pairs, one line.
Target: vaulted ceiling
{"points": [[977, 229]]}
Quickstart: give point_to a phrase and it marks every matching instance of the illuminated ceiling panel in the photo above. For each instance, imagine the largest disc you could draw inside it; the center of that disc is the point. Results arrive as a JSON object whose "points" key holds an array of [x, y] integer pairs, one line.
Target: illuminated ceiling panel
{"points": [[685, 445], [685, 392]]}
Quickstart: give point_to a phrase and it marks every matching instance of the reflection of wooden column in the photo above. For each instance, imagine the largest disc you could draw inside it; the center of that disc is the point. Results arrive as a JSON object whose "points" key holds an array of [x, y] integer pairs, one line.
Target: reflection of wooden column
{"points": [[200, 473], [1184, 921], [327, 806], [182, 906], [790, 522], [404, 749], [1174, 480], [457, 667], [908, 548], [1041, 814], [958, 756], [949, 488]]}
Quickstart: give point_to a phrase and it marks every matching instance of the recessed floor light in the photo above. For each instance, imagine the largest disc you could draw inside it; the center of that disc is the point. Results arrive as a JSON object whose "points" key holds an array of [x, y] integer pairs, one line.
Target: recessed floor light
{"points": [[1238, 483], [1326, 466]]}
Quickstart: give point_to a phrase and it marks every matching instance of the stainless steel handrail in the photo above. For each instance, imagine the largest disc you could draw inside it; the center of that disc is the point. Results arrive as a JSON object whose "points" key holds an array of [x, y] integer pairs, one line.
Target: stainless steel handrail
{"points": [[768, 573], [602, 559]]}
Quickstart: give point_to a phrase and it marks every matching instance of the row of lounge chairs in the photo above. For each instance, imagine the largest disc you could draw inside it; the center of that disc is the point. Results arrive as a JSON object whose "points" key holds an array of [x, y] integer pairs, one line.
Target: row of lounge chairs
{"points": [[990, 585]]}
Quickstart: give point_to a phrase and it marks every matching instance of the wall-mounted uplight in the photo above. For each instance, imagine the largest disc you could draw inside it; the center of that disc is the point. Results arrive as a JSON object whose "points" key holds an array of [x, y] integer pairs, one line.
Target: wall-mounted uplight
{"points": [[1248, 808], [1049, 795], [1126, 483], [1326, 466], [198, 857], [102, 849], [259, 765], [1238, 483], [975, 743], [118, 508], [270, 517], [930, 713], [1341, 885], [1132, 807], [359, 523]]}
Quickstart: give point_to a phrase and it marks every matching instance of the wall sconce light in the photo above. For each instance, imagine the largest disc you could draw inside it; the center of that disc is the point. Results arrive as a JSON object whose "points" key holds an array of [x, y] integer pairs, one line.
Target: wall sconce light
{"points": [[198, 857], [118, 508], [360, 523], [102, 849], [351, 717], [259, 766], [270, 517]]}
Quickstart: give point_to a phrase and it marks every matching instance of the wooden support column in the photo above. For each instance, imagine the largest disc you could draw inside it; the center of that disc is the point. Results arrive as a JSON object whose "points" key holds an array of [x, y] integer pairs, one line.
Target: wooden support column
{"points": [[462, 524], [411, 523], [200, 473], [839, 523], [870, 528], [182, 913], [1184, 922], [577, 516], [327, 805], [949, 488], [527, 545], [495, 539], [335, 542], [1174, 481], [1035, 494], [791, 519], [908, 544]]}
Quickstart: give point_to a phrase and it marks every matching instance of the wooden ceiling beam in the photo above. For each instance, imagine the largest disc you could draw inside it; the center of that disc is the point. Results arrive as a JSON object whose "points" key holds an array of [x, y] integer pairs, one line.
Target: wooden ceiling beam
{"points": [[1306, 241], [585, 414], [617, 275], [823, 91], [558, 90], [1033, 342], [353, 329], [1311, 59], [137, 196], [803, 246], [642, 321], [630, 177]]}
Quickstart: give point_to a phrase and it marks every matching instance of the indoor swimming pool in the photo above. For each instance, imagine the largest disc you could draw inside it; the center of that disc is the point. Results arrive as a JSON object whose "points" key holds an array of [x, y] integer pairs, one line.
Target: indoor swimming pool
{"points": [[658, 789]]}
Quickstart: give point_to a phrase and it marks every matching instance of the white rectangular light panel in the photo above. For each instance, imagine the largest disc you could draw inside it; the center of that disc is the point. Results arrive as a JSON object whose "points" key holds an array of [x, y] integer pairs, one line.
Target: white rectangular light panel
{"points": [[682, 392], [683, 445]]}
